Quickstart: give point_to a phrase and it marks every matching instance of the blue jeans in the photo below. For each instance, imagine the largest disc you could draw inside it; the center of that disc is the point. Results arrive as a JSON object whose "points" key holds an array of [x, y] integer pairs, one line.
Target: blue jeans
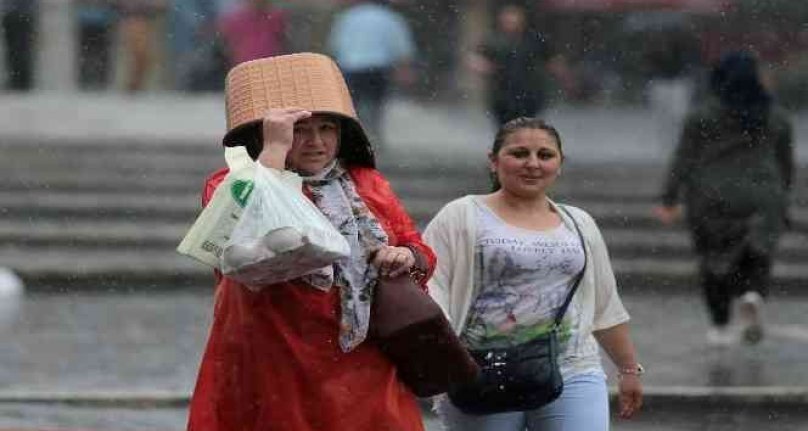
{"points": [[583, 406]]}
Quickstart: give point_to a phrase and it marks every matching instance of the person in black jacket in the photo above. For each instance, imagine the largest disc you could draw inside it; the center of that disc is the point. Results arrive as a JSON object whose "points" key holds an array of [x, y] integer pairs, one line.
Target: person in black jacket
{"points": [[733, 171], [19, 19], [517, 62]]}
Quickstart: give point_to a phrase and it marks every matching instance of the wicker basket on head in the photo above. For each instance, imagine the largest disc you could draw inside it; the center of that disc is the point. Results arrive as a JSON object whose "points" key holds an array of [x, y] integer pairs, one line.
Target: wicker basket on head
{"points": [[306, 80]]}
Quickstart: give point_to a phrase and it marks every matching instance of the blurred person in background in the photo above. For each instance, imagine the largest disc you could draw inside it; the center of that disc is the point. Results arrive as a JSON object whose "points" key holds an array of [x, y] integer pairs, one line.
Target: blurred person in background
{"points": [[373, 45], [733, 171], [198, 60], [515, 60], [253, 29], [138, 30], [19, 21], [97, 20]]}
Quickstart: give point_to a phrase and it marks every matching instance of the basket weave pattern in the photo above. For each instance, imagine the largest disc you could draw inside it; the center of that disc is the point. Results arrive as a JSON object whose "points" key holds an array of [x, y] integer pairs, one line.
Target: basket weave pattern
{"points": [[308, 81]]}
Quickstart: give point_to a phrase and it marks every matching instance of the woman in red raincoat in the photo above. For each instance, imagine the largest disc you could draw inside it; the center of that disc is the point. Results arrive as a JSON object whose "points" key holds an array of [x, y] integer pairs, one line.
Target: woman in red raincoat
{"points": [[293, 356]]}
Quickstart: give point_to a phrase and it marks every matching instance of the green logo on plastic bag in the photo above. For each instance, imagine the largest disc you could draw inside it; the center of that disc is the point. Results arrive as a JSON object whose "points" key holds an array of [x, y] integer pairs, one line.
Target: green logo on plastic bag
{"points": [[241, 190]]}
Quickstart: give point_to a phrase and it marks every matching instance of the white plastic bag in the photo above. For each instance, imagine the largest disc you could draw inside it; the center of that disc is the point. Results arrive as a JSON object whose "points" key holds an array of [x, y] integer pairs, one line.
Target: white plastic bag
{"points": [[206, 239], [281, 235]]}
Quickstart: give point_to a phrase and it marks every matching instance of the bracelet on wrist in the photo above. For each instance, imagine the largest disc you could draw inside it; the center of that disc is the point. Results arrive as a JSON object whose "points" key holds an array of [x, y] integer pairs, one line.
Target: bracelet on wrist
{"points": [[637, 370], [417, 270]]}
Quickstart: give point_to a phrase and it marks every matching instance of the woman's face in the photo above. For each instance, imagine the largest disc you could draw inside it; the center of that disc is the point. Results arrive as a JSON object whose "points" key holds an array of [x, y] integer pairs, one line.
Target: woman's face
{"points": [[528, 163], [315, 144]]}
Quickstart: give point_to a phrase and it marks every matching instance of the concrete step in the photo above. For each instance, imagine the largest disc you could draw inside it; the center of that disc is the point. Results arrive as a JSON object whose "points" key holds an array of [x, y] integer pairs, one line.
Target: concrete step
{"points": [[203, 152], [623, 243], [113, 157], [85, 181], [663, 244], [608, 214], [681, 274], [140, 166], [179, 183], [58, 259], [102, 234], [65, 268], [148, 164], [43, 204], [88, 214], [440, 185]]}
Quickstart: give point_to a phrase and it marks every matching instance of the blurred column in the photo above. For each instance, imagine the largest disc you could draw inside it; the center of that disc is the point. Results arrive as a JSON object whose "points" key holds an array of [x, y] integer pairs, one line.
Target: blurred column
{"points": [[56, 46], [473, 27]]}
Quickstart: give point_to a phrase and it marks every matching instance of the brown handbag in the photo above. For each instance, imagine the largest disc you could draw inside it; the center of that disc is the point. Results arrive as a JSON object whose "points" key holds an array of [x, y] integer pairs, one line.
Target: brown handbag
{"points": [[411, 330]]}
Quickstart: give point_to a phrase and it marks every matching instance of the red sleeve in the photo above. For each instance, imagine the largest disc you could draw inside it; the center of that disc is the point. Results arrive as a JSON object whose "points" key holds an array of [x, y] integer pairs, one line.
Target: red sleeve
{"points": [[382, 200], [211, 183]]}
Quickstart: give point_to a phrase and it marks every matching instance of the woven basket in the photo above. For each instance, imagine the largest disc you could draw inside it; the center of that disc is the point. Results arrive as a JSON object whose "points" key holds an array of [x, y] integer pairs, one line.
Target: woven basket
{"points": [[306, 80]]}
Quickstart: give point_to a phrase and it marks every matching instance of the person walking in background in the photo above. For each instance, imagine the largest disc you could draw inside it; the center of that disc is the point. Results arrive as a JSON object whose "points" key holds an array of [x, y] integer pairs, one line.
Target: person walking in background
{"points": [[138, 30], [197, 57], [373, 45], [19, 21], [515, 60], [96, 19], [506, 262], [733, 171], [254, 29], [293, 356]]}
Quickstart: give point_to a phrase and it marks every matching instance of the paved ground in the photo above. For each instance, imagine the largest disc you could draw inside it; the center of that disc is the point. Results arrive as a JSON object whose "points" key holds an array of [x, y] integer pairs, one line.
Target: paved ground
{"points": [[173, 419], [115, 351], [151, 341]]}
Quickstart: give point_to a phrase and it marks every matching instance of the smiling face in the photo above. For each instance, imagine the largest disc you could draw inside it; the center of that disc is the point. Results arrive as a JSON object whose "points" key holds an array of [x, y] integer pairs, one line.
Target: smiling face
{"points": [[315, 144], [527, 163]]}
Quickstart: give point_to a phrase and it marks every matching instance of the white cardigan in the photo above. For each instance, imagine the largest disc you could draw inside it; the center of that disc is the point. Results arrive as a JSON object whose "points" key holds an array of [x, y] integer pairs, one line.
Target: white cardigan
{"points": [[452, 234]]}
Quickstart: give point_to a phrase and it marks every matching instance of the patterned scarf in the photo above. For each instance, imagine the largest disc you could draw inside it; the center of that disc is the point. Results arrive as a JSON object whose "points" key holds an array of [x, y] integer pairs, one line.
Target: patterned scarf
{"points": [[334, 194]]}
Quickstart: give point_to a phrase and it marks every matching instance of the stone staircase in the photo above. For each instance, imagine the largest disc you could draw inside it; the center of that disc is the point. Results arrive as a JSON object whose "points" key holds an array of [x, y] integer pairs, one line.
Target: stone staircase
{"points": [[78, 215]]}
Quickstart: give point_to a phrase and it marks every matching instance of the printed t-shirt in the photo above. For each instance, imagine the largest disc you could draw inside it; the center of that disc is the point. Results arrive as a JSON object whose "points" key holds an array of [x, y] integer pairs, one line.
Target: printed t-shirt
{"points": [[523, 277]]}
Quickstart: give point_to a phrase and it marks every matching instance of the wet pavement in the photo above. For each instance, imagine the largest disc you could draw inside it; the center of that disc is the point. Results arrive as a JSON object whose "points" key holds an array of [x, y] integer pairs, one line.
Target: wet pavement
{"points": [[173, 419], [150, 343]]}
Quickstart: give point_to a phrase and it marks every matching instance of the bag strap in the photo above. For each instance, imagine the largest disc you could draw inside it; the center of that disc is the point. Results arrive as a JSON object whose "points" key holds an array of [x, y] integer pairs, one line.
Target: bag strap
{"points": [[561, 311]]}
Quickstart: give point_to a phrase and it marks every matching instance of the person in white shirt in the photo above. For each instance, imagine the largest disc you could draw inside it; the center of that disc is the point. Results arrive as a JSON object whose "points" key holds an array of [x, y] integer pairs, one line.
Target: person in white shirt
{"points": [[506, 261], [373, 45]]}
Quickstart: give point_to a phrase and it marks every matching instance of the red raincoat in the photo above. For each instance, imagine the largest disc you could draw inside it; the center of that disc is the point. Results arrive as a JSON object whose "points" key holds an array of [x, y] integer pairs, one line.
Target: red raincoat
{"points": [[273, 361]]}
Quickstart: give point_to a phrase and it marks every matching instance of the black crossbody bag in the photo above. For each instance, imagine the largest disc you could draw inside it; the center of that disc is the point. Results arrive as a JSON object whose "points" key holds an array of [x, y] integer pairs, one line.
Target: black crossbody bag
{"points": [[519, 378]]}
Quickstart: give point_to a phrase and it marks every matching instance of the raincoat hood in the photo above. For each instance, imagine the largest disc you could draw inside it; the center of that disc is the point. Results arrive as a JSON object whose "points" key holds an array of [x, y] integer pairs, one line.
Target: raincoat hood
{"points": [[736, 82]]}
